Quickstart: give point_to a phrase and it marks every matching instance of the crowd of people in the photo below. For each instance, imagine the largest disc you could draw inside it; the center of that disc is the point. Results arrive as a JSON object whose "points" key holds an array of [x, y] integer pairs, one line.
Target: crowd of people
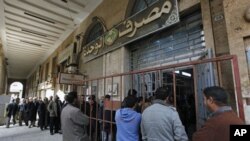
{"points": [[151, 119], [28, 111]]}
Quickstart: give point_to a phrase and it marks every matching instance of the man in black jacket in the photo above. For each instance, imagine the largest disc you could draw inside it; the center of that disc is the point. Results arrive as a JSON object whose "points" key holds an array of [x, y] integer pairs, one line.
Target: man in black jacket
{"points": [[11, 111], [31, 108]]}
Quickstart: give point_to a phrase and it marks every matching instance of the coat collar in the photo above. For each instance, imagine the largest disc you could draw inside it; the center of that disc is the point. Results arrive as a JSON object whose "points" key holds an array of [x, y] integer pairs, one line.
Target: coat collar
{"points": [[221, 110], [158, 101]]}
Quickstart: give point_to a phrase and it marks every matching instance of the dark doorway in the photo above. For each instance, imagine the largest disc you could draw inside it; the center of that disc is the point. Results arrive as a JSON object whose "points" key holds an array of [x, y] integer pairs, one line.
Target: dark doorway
{"points": [[184, 96]]}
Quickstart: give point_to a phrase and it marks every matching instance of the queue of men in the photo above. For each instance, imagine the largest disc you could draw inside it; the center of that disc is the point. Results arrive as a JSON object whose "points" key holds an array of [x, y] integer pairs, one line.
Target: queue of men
{"points": [[155, 120], [159, 121], [47, 111]]}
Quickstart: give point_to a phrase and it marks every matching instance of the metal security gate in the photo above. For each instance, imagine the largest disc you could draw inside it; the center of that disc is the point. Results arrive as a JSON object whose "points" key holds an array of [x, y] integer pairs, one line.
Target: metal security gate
{"points": [[184, 41], [205, 77], [181, 43], [116, 85]]}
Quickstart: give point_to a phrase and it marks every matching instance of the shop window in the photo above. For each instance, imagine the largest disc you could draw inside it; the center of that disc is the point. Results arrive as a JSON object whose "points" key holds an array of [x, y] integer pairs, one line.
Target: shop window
{"points": [[47, 71], [248, 61], [140, 5], [95, 32], [247, 47]]}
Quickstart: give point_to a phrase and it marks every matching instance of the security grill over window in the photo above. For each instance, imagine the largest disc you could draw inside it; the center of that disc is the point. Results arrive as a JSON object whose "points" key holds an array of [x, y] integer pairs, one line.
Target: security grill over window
{"points": [[182, 42]]}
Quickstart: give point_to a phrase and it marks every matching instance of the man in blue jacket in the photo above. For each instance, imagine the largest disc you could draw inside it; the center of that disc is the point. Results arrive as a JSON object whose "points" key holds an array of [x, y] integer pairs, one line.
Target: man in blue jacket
{"points": [[128, 121]]}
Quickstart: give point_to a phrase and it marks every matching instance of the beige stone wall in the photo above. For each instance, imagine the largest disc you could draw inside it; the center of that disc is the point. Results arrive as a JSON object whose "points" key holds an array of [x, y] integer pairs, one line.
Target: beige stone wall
{"points": [[238, 29], [112, 11], [3, 74], [186, 4]]}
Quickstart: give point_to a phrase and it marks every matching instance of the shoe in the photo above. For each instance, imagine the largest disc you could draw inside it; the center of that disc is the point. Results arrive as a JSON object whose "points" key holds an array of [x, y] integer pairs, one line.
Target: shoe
{"points": [[51, 134]]}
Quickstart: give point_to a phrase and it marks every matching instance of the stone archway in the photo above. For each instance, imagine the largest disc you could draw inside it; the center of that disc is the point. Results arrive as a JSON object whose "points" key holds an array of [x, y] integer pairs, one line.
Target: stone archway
{"points": [[12, 81], [16, 89]]}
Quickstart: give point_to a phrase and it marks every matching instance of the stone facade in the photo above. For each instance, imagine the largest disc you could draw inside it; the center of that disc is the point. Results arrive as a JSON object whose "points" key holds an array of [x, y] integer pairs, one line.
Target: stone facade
{"points": [[238, 30], [225, 29], [3, 70]]}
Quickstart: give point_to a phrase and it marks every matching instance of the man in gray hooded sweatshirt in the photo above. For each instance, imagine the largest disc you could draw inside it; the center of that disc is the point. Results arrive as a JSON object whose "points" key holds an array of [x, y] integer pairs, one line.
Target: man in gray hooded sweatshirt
{"points": [[160, 121]]}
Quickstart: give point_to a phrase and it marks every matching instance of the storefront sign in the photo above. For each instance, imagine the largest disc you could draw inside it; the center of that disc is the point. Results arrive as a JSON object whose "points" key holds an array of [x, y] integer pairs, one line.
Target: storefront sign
{"points": [[48, 85], [71, 79], [65, 54], [41, 86], [158, 16]]}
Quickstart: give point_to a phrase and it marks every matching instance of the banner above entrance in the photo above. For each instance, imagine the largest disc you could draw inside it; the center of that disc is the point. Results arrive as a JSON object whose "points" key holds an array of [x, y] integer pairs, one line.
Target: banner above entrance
{"points": [[156, 17]]}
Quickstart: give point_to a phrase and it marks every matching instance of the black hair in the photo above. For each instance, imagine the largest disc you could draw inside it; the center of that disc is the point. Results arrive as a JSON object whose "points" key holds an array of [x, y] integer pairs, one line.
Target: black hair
{"points": [[92, 97], [71, 96], [130, 101], [162, 93], [139, 99], [107, 96], [218, 94], [132, 92]]}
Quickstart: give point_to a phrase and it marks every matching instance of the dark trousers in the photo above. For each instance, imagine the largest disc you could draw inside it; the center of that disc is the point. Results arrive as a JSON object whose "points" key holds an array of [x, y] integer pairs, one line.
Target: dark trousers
{"points": [[41, 122], [22, 118], [8, 120], [25, 118], [53, 125]]}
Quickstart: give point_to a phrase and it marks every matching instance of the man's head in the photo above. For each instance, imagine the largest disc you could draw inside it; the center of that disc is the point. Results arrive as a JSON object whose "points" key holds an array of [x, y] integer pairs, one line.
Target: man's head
{"points": [[72, 98], [215, 97], [34, 99], [24, 100], [50, 98], [45, 100], [107, 97], [56, 98], [30, 99], [130, 101], [92, 99], [132, 92], [162, 93], [140, 100]]}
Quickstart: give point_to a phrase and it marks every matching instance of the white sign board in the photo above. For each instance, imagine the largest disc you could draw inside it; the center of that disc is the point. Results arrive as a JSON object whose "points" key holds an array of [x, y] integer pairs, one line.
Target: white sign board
{"points": [[41, 86], [71, 79], [65, 54]]}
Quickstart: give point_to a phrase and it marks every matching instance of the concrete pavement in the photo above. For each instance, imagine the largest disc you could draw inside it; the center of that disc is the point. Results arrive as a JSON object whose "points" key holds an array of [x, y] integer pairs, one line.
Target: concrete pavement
{"points": [[23, 133]]}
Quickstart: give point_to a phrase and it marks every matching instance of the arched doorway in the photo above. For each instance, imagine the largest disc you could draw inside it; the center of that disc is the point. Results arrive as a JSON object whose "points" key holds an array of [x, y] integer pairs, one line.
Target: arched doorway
{"points": [[16, 89]]}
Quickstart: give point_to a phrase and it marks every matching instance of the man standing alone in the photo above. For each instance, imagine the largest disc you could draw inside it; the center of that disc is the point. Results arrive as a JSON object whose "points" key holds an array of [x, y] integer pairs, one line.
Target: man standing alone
{"points": [[74, 122]]}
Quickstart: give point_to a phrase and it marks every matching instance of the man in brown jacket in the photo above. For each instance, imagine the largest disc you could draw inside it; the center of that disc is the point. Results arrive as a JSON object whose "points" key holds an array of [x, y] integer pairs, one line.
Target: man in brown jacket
{"points": [[217, 127]]}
